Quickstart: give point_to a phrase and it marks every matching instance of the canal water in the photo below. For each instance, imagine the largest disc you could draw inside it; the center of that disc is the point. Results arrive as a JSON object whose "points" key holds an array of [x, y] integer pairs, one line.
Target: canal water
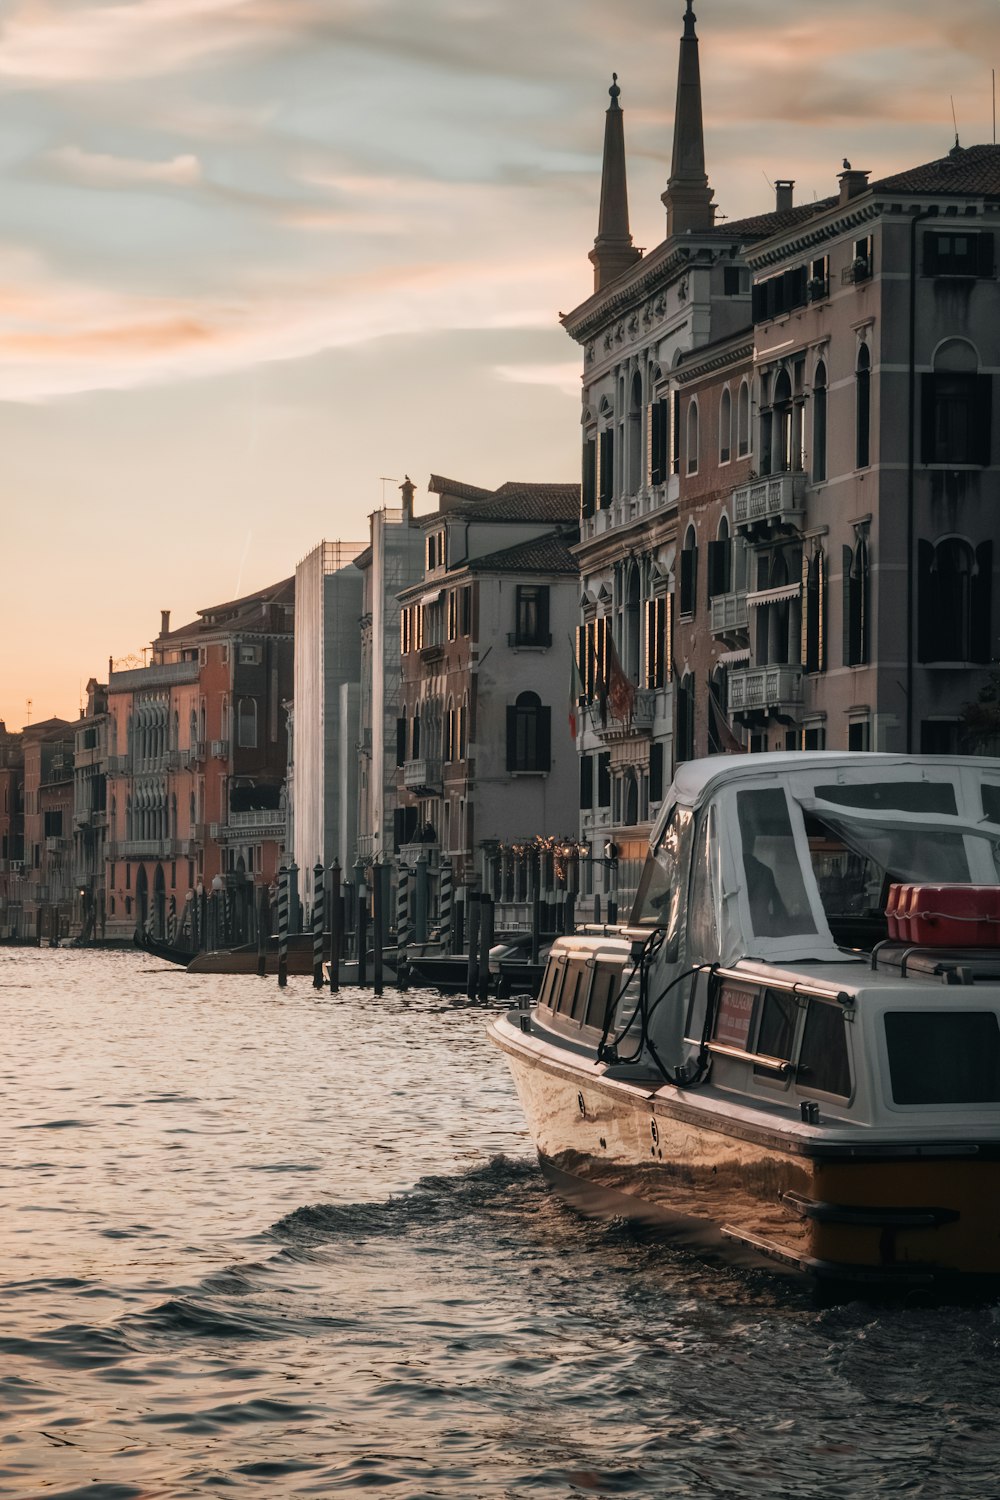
{"points": [[256, 1242]]}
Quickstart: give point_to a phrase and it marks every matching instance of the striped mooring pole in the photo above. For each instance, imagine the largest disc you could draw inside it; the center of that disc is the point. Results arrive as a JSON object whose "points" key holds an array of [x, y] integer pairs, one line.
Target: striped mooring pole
{"points": [[336, 925], [319, 912], [282, 927], [445, 906], [403, 928], [263, 930]]}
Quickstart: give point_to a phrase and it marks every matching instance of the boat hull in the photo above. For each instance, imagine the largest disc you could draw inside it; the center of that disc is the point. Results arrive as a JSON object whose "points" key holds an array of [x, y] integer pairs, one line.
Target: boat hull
{"points": [[752, 1194]]}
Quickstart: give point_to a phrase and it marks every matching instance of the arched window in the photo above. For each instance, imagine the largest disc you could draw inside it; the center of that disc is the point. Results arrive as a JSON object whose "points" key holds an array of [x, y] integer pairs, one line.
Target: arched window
{"points": [[528, 734], [415, 736], [782, 434], [635, 470], [630, 635], [725, 427], [819, 424], [247, 724], [863, 393], [689, 573], [856, 588], [692, 436], [630, 800], [957, 407], [743, 421], [955, 600], [814, 612]]}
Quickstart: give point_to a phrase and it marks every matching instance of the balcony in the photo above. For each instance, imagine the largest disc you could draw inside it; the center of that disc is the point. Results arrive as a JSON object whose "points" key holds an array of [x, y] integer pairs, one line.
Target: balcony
{"points": [[639, 722], [144, 849], [422, 776], [119, 765], [768, 690], [220, 749], [775, 501], [729, 614], [57, 845], [262, 823]]}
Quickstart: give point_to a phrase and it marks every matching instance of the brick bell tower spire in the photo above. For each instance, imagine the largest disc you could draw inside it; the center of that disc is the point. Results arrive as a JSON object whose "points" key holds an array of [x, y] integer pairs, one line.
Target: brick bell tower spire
{"points": [[688, 198], [613, 250]]}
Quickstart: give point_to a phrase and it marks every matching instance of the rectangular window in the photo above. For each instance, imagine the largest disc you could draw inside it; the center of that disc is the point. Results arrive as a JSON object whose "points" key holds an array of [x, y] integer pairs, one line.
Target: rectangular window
{"points": [[957, 410], [732, 281], [689, 574], [604, 779], [858, 735], [776, 1032], [823, 1064], [656, 670], [862, 261], [400, 741], [656, 772], [603, 996], [818, 285], [720, 554], [453, 615], [773, 882], [675, 432], [532, 615], [658, 435], [947, 253], [943, 1057], [465, 611], [586, 783]]}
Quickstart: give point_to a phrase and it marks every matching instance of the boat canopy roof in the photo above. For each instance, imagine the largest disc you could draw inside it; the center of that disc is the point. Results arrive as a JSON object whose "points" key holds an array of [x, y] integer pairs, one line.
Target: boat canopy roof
{"points": [[791, 856]]}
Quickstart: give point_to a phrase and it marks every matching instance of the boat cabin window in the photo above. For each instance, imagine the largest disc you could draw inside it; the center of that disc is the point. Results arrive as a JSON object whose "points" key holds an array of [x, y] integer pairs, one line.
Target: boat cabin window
{"points": [[991, 803], [551, 982], [943, 1057], [852, 887], [603, 995], [574, 991], [664, 876], [894, 796], [776, 1031], [775, 889], [823, 1067]]}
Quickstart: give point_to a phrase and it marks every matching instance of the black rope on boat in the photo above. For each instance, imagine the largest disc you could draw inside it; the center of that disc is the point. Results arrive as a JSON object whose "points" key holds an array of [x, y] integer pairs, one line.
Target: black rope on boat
{"points": [[607, 1051]]}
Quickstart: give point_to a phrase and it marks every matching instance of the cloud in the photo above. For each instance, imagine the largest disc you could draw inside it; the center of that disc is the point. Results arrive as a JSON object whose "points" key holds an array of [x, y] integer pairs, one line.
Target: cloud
{"points": [[563, 377], [52, 42], [95, 170]]}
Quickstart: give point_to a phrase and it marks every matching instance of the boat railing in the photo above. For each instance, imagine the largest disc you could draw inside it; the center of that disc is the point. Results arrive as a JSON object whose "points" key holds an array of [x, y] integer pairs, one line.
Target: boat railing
{"points": [[805, 989]]}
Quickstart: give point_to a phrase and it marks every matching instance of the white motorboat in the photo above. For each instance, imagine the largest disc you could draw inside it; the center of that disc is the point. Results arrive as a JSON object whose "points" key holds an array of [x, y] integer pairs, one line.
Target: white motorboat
{"points": [[792, 1051]]}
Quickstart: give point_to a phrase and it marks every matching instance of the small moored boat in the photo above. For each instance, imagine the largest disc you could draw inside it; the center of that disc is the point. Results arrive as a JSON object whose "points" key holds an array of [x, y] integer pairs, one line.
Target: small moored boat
{"points": [[792, 1051]]}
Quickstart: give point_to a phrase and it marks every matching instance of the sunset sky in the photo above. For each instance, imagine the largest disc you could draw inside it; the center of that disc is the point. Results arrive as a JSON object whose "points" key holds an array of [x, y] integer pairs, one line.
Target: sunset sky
{"points": [[257, 254]]}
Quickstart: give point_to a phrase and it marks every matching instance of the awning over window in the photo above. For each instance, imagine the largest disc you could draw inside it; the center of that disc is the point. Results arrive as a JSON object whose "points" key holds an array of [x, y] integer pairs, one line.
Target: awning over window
{"points": [[774, 596]]}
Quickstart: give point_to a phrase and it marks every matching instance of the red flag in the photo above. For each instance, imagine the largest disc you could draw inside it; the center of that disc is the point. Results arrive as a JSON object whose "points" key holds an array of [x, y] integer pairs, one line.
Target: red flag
{"points": [[621, 690]]}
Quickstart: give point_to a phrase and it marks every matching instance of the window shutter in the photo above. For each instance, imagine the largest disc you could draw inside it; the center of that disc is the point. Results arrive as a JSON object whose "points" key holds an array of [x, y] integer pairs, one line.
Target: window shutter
{"points": [[687, 581], [650, 442], [511, 738], [400, 741], [581, 657], [656, 772], [848, 603], [985, 254], [543, 753], [604, 779], [820, 612], [543, 613], [982, 417], [927, 443], [649, 643], [589, 493], [718, 556], [675, 432], [804, 593], [668, 639], [758, 302], [982, 604], [586, 783]]}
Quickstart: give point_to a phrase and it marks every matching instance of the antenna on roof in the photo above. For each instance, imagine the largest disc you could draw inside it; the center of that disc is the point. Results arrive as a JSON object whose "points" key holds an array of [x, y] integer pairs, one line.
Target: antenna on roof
{"points": [[954, 121], [994, 106]]}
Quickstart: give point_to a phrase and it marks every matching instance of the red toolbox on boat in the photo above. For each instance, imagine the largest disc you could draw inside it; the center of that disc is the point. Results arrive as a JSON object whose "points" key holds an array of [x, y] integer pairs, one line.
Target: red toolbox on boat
{"points": [[944, 916]]}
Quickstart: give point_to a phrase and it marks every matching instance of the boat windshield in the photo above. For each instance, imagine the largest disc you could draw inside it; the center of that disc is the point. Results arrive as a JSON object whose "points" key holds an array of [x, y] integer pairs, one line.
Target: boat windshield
{"points": [[657, 901], [855, 861]]}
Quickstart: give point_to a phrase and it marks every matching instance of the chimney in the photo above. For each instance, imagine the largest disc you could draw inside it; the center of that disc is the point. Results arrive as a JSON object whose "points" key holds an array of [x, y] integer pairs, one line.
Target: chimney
{"points": [[407, 489], [783, 190], [164, 621], [852, 182]]}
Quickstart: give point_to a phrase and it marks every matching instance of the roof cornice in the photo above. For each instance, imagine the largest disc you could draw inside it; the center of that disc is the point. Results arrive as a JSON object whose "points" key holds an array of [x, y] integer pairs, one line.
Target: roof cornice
{"points": [[704, 362]]}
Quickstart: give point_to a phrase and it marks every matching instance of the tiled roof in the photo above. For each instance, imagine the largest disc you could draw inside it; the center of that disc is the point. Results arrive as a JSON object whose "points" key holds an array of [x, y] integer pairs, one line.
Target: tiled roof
{"points": [[248, 613], [440, 486], [759, 226], [516, 501], [966, 169], [546, 554]]}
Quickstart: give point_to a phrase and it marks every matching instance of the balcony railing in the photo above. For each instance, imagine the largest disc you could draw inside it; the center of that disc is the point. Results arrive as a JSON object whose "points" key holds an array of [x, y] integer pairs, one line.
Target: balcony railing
{"points": [[119, 765], [422, 774], [144, 849], [265, 823], [765, 689], [220, 749], [638, 721], [729, 613], [775, 500]]}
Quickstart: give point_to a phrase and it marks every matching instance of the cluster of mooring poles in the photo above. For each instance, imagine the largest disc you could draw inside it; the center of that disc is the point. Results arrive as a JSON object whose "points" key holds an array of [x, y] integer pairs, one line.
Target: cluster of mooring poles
{"points": [[387, 914]]}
